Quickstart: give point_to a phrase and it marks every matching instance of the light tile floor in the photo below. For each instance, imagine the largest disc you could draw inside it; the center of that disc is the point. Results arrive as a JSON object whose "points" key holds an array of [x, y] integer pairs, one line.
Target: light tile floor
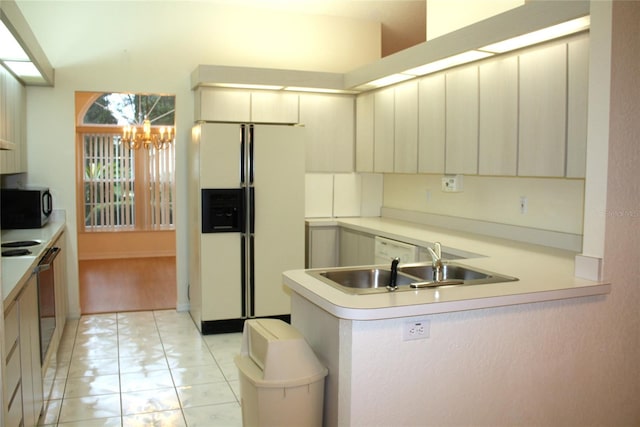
{"points": [[150, 368]]}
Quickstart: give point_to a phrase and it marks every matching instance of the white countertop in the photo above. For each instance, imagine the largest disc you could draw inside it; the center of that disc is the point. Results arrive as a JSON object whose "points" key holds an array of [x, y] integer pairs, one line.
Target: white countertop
{"points": [[16, 269], [544, 274]]}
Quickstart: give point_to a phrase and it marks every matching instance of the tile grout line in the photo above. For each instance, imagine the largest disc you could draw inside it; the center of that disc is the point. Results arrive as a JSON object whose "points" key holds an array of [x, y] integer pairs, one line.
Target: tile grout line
{"points": [[173, 380]]}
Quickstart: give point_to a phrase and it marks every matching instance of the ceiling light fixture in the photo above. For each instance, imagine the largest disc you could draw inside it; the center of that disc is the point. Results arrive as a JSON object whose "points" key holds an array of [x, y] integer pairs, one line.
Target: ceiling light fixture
{"points": [[20, 52], [162, 139], [452, 61], [385, 81], [543, 35]]}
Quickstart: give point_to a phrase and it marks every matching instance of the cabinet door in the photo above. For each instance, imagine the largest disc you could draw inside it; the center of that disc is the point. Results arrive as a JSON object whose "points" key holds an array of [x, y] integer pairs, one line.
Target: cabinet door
{"points": [[322, 247], [274, 107], [356, 248], [329, 120], [578, 93], [543, 92], [31, 371], [222, 105], [462, 121], [431, 124], [498, 132], [12, 123], [364, 132], [383, 130], [406, 128]]}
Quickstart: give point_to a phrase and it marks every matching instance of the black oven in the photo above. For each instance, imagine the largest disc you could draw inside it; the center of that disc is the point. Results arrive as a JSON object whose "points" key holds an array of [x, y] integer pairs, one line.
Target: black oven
{"points": [[46, 299]]}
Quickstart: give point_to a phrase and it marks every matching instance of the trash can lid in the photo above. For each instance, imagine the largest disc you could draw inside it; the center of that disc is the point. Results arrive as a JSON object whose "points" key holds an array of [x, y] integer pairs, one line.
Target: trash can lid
{"points": [[280, 353]]}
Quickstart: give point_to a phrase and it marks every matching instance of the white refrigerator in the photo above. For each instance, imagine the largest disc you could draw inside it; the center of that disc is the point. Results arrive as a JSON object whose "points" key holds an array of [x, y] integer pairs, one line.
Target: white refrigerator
{"points": [[247, 221]]}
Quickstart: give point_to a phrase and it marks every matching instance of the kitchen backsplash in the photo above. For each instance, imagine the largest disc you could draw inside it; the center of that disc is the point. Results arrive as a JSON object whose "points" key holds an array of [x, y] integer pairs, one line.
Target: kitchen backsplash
{"points": [[343, 195]]}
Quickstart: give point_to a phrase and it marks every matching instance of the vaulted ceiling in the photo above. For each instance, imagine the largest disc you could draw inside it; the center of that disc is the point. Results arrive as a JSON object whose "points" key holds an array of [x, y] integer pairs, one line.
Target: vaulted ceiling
{"points": [[403, 21]]}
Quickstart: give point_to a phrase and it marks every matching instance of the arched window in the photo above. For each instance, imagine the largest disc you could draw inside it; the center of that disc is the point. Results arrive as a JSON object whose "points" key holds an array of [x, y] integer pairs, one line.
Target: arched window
{"points": [[124, 187]]}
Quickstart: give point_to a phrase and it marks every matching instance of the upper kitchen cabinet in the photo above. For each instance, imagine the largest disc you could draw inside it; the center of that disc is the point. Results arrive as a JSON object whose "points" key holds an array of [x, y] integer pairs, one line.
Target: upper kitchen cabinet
{"points": [[498, 129], [543, 113], [242, 106], [462, 121], [431, 124], [578, 90], [364, 132], [383, 130], [329, 120], [406, 128], [274, 107], [12, 124]]}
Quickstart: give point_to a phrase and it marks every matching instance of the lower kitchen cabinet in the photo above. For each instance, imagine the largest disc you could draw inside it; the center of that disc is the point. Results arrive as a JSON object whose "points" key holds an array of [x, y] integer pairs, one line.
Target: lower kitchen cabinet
{"points": [[23, 383], [12, 384], [356, 248], [322, 247]]}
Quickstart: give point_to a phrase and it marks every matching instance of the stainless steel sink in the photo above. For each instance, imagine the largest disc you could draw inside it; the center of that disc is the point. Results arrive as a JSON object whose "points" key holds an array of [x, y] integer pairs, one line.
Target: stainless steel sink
{"points": [[452, 274], [374, 280], [365, 278]]}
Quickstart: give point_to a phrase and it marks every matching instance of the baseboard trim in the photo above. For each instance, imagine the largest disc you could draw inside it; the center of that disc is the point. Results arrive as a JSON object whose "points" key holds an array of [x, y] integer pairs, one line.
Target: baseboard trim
{"points": [[121, 255], [226, 326]]}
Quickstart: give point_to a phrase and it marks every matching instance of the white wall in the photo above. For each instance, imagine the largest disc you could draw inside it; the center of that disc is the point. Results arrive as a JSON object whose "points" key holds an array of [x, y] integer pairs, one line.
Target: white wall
{"points": [[553, 204], [154, 47], [445, 16]]}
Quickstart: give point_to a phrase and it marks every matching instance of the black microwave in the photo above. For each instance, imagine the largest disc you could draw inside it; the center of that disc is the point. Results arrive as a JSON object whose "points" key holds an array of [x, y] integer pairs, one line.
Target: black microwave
{"points": [[28, 207]]}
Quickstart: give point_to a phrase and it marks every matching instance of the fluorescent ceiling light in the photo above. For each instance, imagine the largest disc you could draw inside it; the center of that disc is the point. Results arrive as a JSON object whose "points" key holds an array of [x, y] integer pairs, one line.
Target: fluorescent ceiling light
{"points": [[545, 34], [385, 81], [452, 61], [248, 86], [10, 49], [22, 69], [316, 90]]}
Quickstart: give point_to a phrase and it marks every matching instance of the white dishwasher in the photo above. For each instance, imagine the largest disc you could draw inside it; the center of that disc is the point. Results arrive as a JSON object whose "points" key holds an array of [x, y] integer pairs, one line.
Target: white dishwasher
{"points": [[388, 249]]}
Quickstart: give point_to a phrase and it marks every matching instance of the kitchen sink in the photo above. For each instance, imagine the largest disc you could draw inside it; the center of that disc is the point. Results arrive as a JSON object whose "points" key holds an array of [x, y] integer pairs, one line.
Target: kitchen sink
{"points": [[411, 276], [370, 278], [452, 274]]}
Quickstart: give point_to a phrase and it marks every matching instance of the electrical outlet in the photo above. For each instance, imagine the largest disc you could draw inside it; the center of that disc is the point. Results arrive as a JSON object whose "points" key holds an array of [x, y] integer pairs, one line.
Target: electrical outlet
{"points": [[452, 183], [415, 330], [524, 205]]}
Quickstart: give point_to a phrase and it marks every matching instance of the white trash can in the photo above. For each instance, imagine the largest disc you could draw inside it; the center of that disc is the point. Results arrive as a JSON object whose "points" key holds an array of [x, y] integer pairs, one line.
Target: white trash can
{"points": [[281, 379]]}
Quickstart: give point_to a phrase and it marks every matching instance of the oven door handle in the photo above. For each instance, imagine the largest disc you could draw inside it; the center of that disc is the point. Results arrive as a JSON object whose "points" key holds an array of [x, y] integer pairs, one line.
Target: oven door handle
{"points": [[47, 259]]}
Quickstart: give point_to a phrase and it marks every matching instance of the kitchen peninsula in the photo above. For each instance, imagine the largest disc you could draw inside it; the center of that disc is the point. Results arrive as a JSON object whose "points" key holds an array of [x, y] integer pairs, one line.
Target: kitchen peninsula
{"points": [[477, 336]]}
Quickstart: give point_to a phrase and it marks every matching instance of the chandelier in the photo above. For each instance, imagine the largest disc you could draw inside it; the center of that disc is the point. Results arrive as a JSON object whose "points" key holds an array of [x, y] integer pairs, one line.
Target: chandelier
{"points": [[162, 139]]}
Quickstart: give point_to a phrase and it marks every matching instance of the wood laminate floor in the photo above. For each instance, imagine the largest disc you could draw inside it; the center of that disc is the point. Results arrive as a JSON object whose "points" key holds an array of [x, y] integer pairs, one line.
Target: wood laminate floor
{"points": [[117, 285]]}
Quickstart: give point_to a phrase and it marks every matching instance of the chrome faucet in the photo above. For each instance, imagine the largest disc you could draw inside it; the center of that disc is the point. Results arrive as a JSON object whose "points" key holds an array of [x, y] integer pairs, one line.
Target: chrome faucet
{"points": [[436, 261], [392, 286]]}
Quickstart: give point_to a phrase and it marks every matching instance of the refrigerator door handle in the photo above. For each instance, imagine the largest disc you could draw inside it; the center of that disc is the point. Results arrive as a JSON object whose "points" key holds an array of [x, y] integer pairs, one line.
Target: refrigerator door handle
{"points": [[243, 134], [251, 142], [243, 277], [252, 281], [252, 210]]}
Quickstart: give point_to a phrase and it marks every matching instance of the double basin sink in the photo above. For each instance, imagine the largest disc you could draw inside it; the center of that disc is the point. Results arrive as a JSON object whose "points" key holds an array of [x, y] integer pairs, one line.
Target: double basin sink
{"points": [[363, 280]]}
